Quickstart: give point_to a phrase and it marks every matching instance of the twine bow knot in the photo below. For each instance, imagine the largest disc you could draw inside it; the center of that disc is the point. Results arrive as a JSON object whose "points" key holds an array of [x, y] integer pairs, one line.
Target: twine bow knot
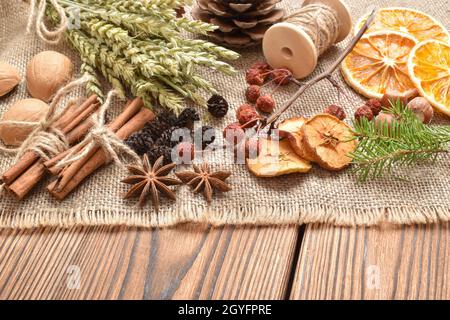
{"points": [[101, 136], [45, 139]]}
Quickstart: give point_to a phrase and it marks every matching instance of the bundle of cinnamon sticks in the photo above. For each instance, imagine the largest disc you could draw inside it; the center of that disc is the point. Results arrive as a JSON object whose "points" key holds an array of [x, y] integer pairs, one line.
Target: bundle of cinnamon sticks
{"points": [[30, 169], [132, 119]]}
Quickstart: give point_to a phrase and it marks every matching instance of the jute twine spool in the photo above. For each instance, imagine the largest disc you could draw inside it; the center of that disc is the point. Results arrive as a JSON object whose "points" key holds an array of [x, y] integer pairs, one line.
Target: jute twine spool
{"points": [[298, 41]]}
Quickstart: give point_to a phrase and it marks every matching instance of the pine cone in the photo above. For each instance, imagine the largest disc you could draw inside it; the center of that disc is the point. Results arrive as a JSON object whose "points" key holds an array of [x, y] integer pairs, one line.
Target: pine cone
{"points": [[187, 118], [217, 106], [241, 23]]}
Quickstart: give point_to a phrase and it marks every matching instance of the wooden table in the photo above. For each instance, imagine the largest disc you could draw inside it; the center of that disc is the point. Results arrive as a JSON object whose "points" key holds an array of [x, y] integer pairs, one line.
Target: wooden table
{"points": [[196, 262]]}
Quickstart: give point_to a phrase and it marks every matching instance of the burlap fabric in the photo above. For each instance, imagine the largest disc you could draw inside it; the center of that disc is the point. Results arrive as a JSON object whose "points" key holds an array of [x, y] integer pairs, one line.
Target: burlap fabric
{"points": [[320, 196]]}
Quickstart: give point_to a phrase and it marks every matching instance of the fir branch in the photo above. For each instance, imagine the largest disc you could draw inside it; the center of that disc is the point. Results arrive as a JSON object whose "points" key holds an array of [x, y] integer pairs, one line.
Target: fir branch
{"points": [[406, 141]]}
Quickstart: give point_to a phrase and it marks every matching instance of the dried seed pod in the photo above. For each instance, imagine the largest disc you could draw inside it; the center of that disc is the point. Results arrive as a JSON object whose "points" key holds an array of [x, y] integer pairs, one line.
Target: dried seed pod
{"points": [[9, 78], [47, 72], [247, 113]]}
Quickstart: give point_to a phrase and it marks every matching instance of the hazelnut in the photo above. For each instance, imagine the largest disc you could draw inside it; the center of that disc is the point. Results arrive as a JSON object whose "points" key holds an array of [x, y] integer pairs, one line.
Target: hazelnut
{"points": [[422, 109], [281, 77], [374, 105], [363, 112], [253, 76], [247, 113], [47, 72], [253, 92], [384, 120], [265, 103], [233, 134], [336, 111], [391, 97]]}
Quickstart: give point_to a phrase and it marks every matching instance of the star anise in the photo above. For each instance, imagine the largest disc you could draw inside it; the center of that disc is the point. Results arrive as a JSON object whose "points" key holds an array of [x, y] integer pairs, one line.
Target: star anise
{"points": [[148, 179], [202, 179]]}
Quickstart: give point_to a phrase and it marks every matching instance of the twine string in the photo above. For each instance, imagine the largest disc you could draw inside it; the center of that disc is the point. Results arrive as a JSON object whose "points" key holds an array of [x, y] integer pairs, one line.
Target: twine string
{"points": [[320, 22], [47, 35], [101, 136], [45, 140]]}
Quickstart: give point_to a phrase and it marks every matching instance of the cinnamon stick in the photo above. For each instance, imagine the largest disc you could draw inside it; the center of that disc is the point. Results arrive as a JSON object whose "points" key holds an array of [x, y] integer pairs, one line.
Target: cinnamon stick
{"points": [[33, 168], [119, 122], [131, 108], [30, 157], [99, 158]]}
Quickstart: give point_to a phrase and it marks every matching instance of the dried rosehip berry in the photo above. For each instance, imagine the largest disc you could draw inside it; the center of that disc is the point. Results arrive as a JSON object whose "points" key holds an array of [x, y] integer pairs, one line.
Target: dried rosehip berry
{"points": [[374, 105], [247, 113], [253, 92], [253, 76], [364, 112], [265, 103], [261, 66], [281, 77], [336, 111], [233, 133]]}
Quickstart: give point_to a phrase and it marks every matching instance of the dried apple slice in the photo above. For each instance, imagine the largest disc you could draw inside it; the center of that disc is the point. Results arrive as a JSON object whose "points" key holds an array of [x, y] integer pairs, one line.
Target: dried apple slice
{"points": [[277, 158], [330, 140], [291, 129]]}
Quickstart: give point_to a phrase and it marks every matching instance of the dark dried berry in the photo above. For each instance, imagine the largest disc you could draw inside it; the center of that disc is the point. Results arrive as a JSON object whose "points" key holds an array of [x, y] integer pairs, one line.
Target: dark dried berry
{"points": [[204, 136], [336, 111], [140, 142], [157, 151], [166, 138], [154, 129], [187, 118], [217, 106]]}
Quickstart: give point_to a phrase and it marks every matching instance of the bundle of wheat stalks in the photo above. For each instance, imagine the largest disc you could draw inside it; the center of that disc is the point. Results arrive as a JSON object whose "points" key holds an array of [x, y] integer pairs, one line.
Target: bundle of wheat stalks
{"points": [[140, 46]]}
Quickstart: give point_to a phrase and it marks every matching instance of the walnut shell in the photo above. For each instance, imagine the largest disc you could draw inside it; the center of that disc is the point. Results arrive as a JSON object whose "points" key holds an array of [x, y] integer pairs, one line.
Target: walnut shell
{"points": [[47, 72], [31, 110], [9, 78]]}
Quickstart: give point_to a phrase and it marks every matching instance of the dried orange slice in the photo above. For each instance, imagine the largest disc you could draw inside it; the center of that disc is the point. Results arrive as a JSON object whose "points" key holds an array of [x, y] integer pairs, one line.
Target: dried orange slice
{"points": [[416, 23], [378, 63], [429, 69]]}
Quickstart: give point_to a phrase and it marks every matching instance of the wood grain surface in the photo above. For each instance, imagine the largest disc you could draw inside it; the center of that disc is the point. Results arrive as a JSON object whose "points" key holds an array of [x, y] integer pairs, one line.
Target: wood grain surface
{"points": [[409, 262], [188, 262]]}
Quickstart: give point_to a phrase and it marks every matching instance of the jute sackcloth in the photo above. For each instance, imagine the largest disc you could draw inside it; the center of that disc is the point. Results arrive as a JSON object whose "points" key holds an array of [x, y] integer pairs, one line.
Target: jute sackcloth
{"points": [[319, 196]]}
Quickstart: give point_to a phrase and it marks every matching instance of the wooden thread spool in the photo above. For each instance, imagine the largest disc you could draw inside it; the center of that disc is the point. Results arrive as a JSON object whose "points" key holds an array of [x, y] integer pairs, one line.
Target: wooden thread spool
{"points": [[298, 42]]}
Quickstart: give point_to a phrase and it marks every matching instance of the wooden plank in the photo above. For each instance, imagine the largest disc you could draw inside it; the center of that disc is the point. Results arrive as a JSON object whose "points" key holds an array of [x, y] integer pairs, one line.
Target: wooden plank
{"points": [[409, 262], [187, 262]]}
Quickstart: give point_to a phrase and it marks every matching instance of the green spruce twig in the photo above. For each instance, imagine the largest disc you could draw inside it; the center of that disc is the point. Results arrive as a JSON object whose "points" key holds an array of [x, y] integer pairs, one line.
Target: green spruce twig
{"points": [[383, 147]]}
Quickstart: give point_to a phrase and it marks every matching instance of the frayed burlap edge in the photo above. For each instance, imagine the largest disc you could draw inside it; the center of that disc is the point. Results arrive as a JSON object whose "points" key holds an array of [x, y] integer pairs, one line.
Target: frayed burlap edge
{"points": [[251, 215]]}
